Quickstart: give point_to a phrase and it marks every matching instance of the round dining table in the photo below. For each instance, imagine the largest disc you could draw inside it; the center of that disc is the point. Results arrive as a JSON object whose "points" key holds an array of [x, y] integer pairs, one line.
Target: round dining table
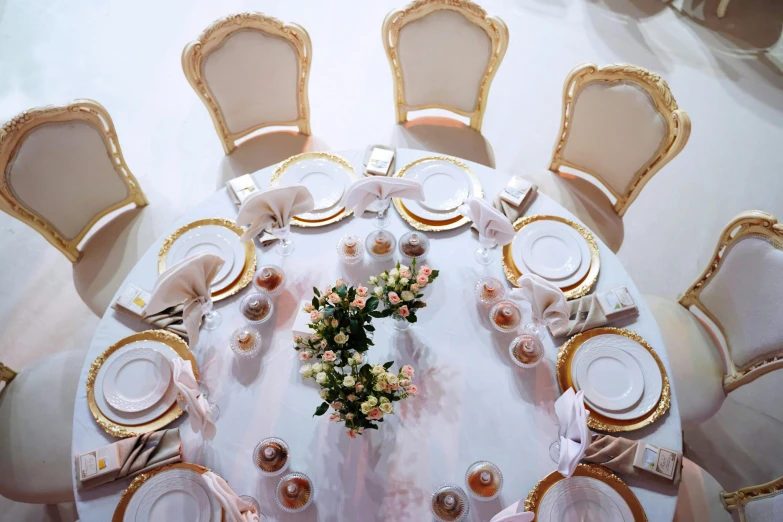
{"points": [[474, 403]]}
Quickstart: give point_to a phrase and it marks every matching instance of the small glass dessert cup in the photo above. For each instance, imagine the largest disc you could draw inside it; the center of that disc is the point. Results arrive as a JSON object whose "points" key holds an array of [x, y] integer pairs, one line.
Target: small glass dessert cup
{"points": [[484, 480], [245, 342], [350, 249], [256, 308], [489, 291], [285, 247], [255, 506], [271, 456], [505, 316], [449, 504], [269, 279], [414, 245], [294, 493], [527, 350], [380, 245]]}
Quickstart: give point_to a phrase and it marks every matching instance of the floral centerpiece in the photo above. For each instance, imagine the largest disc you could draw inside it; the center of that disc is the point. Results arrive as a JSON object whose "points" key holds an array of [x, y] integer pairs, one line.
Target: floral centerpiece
{"points": [[359, 394], [400, 291]]}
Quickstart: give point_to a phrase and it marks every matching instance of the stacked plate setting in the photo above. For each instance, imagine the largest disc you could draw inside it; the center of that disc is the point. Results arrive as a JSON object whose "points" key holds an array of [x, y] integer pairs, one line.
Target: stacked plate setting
{"points": [[552, 250], [620, 378], [175, 494], [583, 499], [134, 385]]}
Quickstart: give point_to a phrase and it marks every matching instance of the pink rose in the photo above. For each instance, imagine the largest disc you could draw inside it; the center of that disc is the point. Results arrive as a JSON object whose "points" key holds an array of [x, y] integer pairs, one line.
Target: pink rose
{"points": [[298, 339], [340, 282], [315, 338], [394, 298], [374, 414], [334, 417], [304, 355], [322, 344], [352, 434], [348, 416], [359, 302], [308, 307], [405, 273], [362, 291], [315, 316], [359, 387], [329, 356], [395, 386], [425, 271], [403, 311], [422, 280], [407, 371], [414, 288], [334, 298], [351, 397], [412, 390], [337, 405], [405, 382]]}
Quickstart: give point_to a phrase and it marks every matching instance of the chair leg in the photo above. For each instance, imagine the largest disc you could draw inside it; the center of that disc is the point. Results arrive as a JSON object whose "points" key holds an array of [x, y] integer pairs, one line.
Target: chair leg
{"points": [[6, 374]]}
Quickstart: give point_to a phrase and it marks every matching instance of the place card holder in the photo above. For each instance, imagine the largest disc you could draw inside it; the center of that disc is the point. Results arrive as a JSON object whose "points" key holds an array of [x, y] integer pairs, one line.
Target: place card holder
{"points": [[378, 161], [659, 461], [514, 200], [132, 300], [594, 310], [240, 188]]}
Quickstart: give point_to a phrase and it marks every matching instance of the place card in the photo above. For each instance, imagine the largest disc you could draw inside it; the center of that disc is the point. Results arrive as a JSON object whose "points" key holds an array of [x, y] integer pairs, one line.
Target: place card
{"points": [[659, 461], [132, 299], [617, 303], [380, 160], [240, 188]]}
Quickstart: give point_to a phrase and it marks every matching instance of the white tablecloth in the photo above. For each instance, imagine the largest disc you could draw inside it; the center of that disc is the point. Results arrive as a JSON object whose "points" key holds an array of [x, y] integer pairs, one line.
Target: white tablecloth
{"points": [[474, 403]]}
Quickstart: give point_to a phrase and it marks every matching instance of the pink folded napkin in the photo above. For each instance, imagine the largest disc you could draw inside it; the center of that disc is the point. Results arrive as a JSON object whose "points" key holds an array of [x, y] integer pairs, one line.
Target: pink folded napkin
{"points": [[514, 513], [493, 227], [547, 302], [197, 406], [237, 509], [273, 209], [366, 191], [573, 431], [187, 282]]}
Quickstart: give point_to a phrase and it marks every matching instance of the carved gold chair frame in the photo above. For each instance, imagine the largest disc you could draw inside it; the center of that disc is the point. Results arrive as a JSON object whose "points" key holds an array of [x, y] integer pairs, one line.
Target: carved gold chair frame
{"points": [[754, 222], [196, 52], [677, 122], [13, 134], [6, 374], [739, 499], [495, 28]]}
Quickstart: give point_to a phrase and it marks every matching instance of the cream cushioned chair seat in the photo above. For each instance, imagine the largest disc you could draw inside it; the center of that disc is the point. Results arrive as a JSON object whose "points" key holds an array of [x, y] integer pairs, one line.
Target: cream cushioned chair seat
{"points": [[63, 172], [615, 129], [443, 58], [699, 499], [695, 360], [238, 74], [765, 509], [745, 295], [36, 424]]}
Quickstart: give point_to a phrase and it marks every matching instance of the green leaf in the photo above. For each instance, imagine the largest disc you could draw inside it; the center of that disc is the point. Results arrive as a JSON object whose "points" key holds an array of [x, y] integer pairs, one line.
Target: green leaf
{"points": [[377, 314], [314, 302], [341, 292], [388, 365], [320, 410], [372, 304], [316, 292], [434, 274], [412, 318], [369, 328], [372, 426]]}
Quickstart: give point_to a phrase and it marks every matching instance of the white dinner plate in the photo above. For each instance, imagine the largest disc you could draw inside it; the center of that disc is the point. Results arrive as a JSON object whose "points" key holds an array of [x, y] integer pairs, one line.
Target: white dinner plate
{"points": [[136, 380], [583, 499], [418, 209], [173, 496], [446, 186], [326, 180], [610, 377], [214, 239], [653, 382], [552, 227], [550, 252], [138, 417]]}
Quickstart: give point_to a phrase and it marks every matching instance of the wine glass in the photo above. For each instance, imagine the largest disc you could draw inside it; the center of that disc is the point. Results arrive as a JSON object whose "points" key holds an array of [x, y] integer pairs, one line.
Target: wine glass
{"points": [[202, 388], [254, 506], [212, 318], [484, 255], [285, 247]]}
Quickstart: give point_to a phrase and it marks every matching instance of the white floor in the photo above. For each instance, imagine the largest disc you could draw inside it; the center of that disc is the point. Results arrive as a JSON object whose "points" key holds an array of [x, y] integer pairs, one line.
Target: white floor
{"points": [[728, 75]]}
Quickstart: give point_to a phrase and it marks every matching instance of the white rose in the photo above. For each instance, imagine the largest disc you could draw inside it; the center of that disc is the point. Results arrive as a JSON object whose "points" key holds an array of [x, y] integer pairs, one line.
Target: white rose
{"points": [[392, 281], [407, 296], [392, 379], [365, 407], [306, 370], [394, 272], [404, 268], [357, 357], [378, 290], [341, 338], [323, 394], [384, 400], [378, 386], [377, 369], [320, 377], [318, 367], [372, 400], [349, 381], [404, 281], [386, 408], [383, 276], [373, 280]]}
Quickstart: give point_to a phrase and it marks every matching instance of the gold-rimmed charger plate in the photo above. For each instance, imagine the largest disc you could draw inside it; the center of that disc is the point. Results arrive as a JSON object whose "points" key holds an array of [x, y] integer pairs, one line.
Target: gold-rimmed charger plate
{"points": [[429, 225], [140, 479], [596, 420], [174, 342], [248, 270], [593, 471], [579, 288], [341, 212]]}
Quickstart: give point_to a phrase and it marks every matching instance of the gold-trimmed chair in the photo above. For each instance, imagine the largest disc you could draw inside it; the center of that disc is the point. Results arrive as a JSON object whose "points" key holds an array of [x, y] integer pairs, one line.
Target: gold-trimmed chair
{"points": [[620, 125], [757, 503], [63, 170], [443, 55], [251, 71], [740, 292], [36, 423], [699, 498]]}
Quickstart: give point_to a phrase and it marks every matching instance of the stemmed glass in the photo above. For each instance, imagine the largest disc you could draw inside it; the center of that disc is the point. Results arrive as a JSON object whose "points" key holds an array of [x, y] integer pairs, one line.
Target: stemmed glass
{"points": [[484, 255], [382, 218], [285, 246], [255, 506], [212, 318], [202, 387]]}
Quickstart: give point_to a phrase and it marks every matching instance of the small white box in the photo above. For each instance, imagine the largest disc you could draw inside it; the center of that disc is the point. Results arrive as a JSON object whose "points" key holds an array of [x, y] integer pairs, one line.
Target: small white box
{"points": [[617, 303], [659, 461], [132, 299], [380, 160], [241, 187], [102, 461], [517, 191], [301, 322]]}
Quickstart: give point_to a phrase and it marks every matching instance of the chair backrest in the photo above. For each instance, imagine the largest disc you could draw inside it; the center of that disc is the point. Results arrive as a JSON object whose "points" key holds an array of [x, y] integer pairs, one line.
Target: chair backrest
{"points": [[741, 292], [63, 170], [251, 71], [620, 124], [443, 54], [762, 503]]}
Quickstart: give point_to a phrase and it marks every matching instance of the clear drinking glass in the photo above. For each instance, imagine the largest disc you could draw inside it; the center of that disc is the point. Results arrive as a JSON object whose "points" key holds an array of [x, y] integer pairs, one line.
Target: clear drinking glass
{"points": [[285, 247], [294, 492], [450, 504]]}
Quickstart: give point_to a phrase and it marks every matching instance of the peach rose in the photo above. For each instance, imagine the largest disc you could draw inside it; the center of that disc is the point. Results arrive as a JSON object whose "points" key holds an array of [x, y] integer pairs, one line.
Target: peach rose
{"points": [[425, 271], [405, 273], [407, 371], [304, 355], [415, 288], [375, 414], [359, 302], [337, 405], [403, 311], [352, 434], [359, 387], [362, 291], [422, 280], [335, 417], [412, 390], [340, 282], [334, 298], [394, 298], [308, 308], [351, 397], [329, 356], [315, 316]]}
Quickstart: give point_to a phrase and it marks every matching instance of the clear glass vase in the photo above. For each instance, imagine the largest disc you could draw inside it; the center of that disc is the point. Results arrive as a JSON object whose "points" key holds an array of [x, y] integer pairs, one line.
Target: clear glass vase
{"points": [[400, 323]]}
